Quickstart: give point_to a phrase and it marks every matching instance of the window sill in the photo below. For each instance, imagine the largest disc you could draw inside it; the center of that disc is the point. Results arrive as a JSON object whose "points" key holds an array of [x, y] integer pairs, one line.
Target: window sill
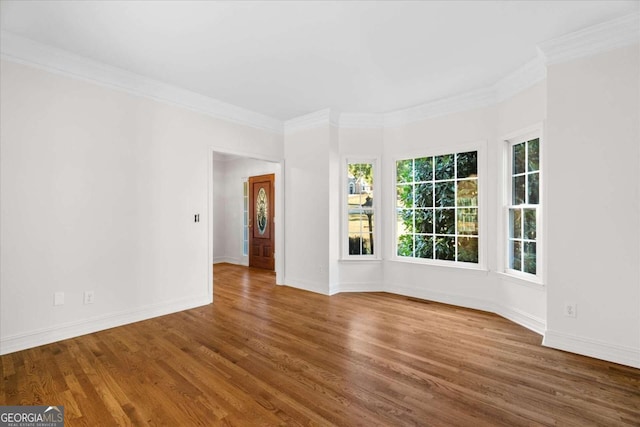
{"points": [[523, 281], [473, 268], [360, 260]]}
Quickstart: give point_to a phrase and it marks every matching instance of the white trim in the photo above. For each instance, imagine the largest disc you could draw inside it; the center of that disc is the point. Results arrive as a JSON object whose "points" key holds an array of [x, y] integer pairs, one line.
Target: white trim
{"points": [[344, 223], [522, 318], [592, 40], [519, 317], [442, 107], [481, 147], [312, 120], [589, 347], [307, 285], [228, 260], [442, 297], [10, 344], [524, 135], [24, 51], [609, 35], [357, 287], [523, 78]]}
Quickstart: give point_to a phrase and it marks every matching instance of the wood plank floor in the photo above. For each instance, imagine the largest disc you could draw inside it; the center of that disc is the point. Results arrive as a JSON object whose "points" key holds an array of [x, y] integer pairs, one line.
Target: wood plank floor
{"points": [[262, 354]]}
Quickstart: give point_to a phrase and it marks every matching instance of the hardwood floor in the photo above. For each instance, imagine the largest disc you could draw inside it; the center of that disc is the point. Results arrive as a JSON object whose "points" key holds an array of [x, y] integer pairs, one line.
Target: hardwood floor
{"points": [[268, 355]]}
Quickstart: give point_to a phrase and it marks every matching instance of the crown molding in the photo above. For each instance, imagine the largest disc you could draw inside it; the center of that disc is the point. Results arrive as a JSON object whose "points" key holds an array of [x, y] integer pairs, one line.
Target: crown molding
{"points": [[312, 120], [24, 51], [362, 120], [455, 104], [524, 77], [598, 38], [592, 40]]}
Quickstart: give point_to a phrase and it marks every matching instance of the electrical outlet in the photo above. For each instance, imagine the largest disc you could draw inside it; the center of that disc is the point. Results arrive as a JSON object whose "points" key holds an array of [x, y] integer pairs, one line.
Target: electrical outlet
{"points": [[58, 298], [88, 297], [571, 309]]}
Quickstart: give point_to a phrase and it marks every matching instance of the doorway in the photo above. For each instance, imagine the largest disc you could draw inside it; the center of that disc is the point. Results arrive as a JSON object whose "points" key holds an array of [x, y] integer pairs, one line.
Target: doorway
{"points": [[229, 172], [261, 221]]}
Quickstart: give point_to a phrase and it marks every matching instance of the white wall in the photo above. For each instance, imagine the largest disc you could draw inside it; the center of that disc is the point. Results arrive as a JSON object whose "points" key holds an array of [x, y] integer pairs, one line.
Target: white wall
{"points": [[307, 209], [521, 301], [593, 168], [218, 214], [99, 189]]}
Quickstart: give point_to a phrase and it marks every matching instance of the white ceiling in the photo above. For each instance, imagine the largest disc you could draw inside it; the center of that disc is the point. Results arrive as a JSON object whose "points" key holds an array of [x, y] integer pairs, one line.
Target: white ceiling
{"points": [[286, 59]]}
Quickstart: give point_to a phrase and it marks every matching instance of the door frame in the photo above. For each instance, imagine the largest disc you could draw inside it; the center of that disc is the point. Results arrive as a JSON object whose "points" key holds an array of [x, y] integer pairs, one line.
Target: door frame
{"points": [[279, 214], [269, 177]]}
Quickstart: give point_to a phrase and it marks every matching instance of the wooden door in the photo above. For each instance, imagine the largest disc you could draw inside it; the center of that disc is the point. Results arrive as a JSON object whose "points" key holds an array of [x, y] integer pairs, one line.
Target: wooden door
{"points": [[261, 214]]}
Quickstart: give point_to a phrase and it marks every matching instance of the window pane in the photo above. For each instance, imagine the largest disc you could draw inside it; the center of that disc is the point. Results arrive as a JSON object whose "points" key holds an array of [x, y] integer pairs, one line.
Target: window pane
{"points": [[446, 248], [530, 224], [468, 192], [515, 255], [468, 249], [424, 195], [518, 190], [444, 167], [405, 221], [533, 188], [424, 247], [467, 164], [404, 196], [445, 221], [355, 244], [468, 221], [424, 169], [534, 155], [519, 158], [515, 223], [445, 194], [404, 170], [424, 220], [355, 223], [405, 245], [529, 257]]}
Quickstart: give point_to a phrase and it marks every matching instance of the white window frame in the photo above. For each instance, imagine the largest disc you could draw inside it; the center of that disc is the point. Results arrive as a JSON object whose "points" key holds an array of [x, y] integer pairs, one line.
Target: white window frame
{"points": [[481, 148], [515, 138], [344, 233], [245, 217]]}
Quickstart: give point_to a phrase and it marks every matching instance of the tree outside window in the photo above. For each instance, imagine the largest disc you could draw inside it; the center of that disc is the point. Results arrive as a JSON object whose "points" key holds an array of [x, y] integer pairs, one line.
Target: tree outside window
{"points": [[437, 207]]}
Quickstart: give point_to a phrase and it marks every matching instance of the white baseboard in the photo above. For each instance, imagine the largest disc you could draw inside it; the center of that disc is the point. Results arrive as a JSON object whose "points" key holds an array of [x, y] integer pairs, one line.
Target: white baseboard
{"points": [[519, 317], [529, 321], [61, 332], [601, 350], [227, 259], [459, 300], [356, 287], [307, 285]]}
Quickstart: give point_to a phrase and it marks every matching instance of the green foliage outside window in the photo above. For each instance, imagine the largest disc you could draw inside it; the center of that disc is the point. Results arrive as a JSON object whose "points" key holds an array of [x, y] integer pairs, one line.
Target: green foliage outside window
{"points": [[437, 207], [360, 209], [523, 209]]}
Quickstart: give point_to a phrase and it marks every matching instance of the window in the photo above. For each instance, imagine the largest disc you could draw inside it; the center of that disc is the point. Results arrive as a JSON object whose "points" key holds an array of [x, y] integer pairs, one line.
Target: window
{"points": [[245, 216], [360, 218], [437, 208], [523, 207]]}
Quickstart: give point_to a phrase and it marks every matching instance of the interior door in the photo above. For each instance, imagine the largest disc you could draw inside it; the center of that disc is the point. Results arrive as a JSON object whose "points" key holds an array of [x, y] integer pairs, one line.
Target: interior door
{"points": [[261, 214]]}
